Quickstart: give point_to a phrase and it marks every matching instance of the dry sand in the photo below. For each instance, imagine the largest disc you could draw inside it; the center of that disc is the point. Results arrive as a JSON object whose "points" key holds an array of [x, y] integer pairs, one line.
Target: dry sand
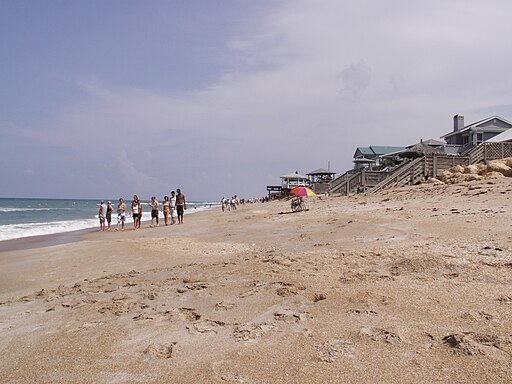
{"points": [[410, 285]]}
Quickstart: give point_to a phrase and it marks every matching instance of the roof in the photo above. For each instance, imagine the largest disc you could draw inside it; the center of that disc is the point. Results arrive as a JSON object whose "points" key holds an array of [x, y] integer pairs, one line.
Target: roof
{"points": [[423, 148], [378, 150], [294, 175], [321, 171], [504, 136], [476, 124], [365, 150], [430, 143]]}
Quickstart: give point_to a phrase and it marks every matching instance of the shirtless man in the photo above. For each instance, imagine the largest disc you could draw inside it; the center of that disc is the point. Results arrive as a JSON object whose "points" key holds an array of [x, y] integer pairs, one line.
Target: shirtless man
{"points": [[121, 214], [180, 205], [154, 211]]}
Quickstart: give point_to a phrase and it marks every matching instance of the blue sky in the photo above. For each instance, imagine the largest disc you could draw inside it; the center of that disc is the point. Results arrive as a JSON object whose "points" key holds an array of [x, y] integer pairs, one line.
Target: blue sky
{"points": [[112, 98]]}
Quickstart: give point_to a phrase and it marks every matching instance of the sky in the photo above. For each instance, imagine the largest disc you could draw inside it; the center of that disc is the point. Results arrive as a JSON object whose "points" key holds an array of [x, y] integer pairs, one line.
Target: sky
{"points": [[102, 99]]}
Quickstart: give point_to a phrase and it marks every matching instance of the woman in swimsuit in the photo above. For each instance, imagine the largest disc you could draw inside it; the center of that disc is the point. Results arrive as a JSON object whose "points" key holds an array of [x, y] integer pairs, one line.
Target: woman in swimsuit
{"points": [[166, 209], [136, 212]]}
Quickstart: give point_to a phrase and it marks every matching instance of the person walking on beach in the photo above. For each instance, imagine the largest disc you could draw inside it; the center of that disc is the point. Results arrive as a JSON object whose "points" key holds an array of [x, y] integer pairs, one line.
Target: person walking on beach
{"points": [[121, 214], [181, 205], [110, 208], [223, 203], [154, 211], [166, 209], [136, 212], [102, 213], [173, 207]]}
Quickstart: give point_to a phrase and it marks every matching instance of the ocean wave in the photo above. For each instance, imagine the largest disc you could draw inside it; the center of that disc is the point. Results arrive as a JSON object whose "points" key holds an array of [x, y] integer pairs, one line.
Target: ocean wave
{"points": [[7, 209], [16, 231]]}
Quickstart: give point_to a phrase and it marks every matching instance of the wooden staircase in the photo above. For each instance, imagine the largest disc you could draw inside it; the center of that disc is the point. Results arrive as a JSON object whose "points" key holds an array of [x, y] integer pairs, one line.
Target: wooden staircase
{"points": [[409, 173]]}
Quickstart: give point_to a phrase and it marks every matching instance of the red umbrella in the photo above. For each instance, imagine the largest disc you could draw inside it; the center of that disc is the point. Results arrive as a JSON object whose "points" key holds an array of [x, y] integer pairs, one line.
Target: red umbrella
{"points": [[302, 191]]}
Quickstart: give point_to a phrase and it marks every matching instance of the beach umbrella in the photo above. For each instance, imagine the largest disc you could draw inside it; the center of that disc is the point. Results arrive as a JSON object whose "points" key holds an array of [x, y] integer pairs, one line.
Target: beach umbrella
{"points": [[302, 191]]}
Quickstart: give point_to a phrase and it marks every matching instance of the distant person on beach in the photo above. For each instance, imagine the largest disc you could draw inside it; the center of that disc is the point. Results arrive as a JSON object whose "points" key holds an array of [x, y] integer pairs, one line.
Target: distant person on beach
{"points": [[110, 208], [181, 205], [223, 203], [102, 213], [121, 214], [154, 211], [172, 200], [136, 212], [166, 209]]}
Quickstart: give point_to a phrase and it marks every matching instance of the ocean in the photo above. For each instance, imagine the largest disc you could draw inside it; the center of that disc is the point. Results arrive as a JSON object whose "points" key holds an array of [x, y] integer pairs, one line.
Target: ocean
{"points": [[33, 217]]}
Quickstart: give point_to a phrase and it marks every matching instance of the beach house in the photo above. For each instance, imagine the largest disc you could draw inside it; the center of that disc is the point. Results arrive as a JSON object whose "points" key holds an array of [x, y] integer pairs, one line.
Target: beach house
{"points": [[293, 180], [372, 156], [464, 137]]}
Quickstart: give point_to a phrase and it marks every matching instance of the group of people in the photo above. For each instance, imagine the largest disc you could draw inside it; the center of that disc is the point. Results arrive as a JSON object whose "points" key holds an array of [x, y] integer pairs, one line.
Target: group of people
{"points": [[173, 208], [229, 204]]}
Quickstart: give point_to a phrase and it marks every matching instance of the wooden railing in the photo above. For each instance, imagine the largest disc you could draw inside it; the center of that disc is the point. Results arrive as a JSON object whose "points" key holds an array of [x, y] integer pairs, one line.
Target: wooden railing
{"points": [[435, 165], [403, 175], [343, 183], [477, 154]]}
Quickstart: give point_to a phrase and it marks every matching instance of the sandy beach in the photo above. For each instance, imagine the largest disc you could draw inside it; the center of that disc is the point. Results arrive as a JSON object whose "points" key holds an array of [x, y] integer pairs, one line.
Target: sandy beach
{"points": [[407, 285]]}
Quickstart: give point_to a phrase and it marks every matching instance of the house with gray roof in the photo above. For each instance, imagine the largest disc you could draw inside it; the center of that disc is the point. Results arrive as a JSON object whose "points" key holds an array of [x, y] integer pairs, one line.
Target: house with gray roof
{"points": [[464, 137], [369, 157]]}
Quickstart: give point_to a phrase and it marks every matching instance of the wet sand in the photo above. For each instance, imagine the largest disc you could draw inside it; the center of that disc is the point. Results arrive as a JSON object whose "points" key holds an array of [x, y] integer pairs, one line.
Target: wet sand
{"points": [[410, 285]]}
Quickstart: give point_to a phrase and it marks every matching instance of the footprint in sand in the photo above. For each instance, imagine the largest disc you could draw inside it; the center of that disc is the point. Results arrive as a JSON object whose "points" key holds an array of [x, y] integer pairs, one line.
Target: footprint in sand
{"points": [[360, 312], [159, 351], [188, 314], [226, 374], [290, 316], [468, 343], [224, 306], [333, 349], [377, 334], [251, 331], [205, 326]]}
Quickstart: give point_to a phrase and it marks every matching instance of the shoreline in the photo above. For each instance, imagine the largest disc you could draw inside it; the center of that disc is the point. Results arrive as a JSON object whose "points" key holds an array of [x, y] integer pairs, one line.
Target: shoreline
{"points": [[60, 238], [42, 241]]}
